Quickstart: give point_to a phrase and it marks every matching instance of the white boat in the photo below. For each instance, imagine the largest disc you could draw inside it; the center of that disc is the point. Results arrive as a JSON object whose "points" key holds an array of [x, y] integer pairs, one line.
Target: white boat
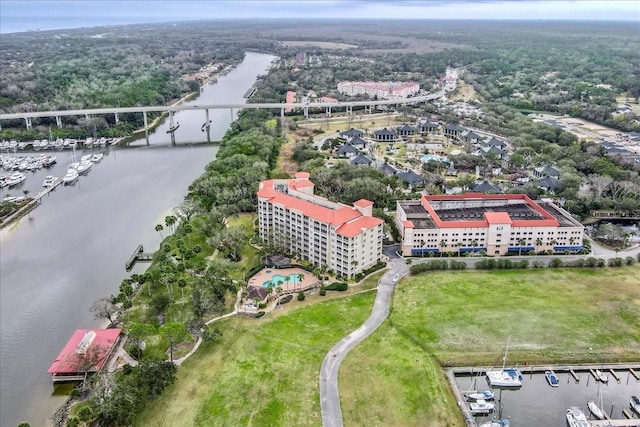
{"points": [[480, 407], [74, 165], [474, 395], [15, 179], [595, 410], [86, 158], [552, 378], [44, 144], [496, 423], [50, 181], [71, 177], [49, 161], [576, 418], [600, 376], [97, 158], [84, 167], [88, 142], [634, 404], [505, 377]]}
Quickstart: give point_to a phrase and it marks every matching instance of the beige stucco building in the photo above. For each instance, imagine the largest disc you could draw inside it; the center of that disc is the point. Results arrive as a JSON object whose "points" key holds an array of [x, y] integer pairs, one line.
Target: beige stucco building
{"points": [[492, 223], [346, 239]]}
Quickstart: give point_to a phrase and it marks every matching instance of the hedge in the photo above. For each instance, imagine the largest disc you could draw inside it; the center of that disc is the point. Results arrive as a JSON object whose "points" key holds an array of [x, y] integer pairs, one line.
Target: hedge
{"points": [[259, 314], [337, 286]]}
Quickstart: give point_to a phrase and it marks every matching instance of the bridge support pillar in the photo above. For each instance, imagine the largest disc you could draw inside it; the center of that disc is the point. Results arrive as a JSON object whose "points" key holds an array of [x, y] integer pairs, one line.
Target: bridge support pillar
{"points": [[282, 114], [349, 110], [146, 126], [172, 128], [207, 125], [28, 122], [117, 118], [231, 114], [328, 112], [59, 121], [306, 112]]}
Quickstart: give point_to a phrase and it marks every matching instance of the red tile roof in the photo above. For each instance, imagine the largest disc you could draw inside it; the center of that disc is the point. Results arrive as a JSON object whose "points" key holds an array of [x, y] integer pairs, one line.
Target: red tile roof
{"points": [[98, 345], [336, 217], [408, 224], [497, 217], [355, 227], [363, 203]]}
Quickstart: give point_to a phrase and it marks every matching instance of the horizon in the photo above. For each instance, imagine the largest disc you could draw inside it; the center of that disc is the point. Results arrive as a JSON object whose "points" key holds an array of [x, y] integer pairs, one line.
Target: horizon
{"points": [[17, 16]]}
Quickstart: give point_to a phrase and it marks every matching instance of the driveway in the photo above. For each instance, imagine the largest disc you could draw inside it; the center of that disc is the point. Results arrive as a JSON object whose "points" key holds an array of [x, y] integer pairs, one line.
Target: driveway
{"points": [[329, 395]]}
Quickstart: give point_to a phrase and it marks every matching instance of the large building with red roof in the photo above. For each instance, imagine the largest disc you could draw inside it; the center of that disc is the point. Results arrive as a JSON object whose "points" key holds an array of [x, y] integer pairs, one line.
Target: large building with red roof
{"points": [[495, 224], [346, 239], [86, 352]]}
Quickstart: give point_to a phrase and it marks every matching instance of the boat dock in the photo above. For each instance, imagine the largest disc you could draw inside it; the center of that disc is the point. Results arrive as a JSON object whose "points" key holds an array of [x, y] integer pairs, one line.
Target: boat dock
{"points": [[462, 402], [575, 376], [137, 255], [634, 373], [635, 422]]}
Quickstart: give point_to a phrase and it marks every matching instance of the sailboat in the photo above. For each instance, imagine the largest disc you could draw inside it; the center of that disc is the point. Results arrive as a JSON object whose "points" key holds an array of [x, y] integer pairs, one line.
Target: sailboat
{"points": [[505, 377], [473, 394], [596, 408]]}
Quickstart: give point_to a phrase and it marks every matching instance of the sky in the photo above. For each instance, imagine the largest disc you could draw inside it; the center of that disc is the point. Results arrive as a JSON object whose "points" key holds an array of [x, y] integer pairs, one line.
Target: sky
{"points": [[27, 15]]}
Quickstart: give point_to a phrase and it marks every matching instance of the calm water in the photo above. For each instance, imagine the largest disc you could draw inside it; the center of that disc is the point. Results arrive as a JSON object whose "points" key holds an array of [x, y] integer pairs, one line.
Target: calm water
{"points": [[538, 404], [73, 250]]}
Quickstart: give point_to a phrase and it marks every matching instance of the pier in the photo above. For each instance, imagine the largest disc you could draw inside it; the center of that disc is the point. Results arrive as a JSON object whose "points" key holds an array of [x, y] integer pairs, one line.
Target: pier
{"points": [[635, 422], [635, 374], [137, 255], [575, 376]]}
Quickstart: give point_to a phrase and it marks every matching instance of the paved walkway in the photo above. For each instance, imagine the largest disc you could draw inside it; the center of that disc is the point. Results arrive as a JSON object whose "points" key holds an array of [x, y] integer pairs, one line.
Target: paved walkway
{"points": [[329, 395]]}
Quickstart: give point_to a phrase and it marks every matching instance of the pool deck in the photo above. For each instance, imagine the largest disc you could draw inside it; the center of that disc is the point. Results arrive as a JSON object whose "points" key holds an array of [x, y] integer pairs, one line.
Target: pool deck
{"points": [[308, 279]]}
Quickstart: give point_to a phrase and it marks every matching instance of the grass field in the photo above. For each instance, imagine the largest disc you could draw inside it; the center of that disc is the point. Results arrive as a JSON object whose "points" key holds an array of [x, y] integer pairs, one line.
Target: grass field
{"points": [[465, 318], [265, 372]]}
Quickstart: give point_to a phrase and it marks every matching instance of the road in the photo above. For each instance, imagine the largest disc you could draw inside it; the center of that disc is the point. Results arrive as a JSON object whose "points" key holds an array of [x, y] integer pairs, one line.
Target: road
{"points": [[329, 395]]}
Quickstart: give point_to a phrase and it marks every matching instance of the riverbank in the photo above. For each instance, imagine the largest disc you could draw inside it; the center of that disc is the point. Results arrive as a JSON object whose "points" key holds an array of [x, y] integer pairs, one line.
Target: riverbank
{"points": [[139, 133]]}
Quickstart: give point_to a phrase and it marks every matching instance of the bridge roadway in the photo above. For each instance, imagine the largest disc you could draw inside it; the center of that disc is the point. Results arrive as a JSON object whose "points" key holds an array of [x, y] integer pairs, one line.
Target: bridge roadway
{"points": [[176, 108]]}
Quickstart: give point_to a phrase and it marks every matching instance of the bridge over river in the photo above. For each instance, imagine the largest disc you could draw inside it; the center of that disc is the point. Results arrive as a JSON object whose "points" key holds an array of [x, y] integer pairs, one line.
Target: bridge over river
{"points": [[329, 107]]}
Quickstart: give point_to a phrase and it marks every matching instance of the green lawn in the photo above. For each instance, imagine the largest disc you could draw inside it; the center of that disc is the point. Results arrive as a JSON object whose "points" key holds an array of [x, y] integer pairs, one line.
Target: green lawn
{"points": [[465, 318], [264, 372]]}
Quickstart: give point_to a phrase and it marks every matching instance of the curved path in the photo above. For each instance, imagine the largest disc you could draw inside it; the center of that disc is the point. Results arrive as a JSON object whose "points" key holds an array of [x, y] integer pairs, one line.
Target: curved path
{"points": [[329, 396]]}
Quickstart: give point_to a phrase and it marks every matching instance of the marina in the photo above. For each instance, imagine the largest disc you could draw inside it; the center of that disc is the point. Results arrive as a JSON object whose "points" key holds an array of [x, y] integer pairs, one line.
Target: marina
{"points": [[536, 403]]}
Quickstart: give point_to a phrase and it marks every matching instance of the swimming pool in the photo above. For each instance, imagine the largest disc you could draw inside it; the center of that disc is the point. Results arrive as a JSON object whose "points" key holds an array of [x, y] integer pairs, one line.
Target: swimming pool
{"points": [[293, 280]]}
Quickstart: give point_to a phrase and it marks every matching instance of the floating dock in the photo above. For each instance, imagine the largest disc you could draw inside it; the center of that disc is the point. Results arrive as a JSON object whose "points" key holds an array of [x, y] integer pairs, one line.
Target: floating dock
{"points": [[137, 255], [615, 423]]}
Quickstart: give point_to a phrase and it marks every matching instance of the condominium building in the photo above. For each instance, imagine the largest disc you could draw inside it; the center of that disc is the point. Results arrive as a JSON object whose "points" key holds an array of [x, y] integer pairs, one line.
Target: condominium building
{"points": [[492, 223], [381, 90], [346, 239]]}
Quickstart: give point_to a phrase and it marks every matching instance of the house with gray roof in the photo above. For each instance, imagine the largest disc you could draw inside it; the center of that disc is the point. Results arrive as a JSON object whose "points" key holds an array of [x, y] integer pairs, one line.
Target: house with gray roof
{"points": [[544, 171], [385, 135], [351, 133], [486, 187], [357, 142], [411, 178], [347, 150], [494, 142], [406, 130], [388, 170], [549, 184], [471, 136], [361, 160], [453, 131], [428, 127]]}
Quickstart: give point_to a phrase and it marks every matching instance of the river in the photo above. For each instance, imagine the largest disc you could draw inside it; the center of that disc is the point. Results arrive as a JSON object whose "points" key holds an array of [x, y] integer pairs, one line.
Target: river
{"points": [[72, 250]]}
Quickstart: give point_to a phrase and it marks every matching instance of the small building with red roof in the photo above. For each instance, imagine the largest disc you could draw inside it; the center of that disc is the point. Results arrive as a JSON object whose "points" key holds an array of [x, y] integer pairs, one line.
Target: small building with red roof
{"points": [[346, 239], [86, 352], [495, 224]]}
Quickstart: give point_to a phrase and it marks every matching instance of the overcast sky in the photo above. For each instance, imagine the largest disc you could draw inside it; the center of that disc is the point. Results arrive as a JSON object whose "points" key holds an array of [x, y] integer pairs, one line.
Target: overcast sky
{"points": [[28, 15]]}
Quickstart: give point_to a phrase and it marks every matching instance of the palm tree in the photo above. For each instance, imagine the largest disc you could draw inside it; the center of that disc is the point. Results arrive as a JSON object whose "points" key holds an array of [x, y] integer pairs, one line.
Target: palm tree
{"points": [[300, 277], [521, 242], [26, 192], [422, 243], [279, 292], [538, 243], [170, 221], [443, 244], [159, 229], [459, 245]]}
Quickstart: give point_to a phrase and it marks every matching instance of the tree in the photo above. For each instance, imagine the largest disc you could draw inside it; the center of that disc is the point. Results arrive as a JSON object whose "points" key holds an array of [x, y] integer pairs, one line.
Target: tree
{"points": [[26, 193], [159, 229], [443, 244], [170, 222], [182, 283], [104, 308], [300, 277], [85, 414], [538, 243], [521, 243], [174, 333], [137, 333]]}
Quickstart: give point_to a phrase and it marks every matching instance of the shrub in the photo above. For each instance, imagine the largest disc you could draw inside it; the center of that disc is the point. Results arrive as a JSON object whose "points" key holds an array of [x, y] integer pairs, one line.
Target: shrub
{"points": [[615, 262], [259, 314], [285, 299], [323, 291], [591, 262], [539, 264], [262, 305], [301, 296], [601, 262], [337, 286], [629, 260], [556, 263]]}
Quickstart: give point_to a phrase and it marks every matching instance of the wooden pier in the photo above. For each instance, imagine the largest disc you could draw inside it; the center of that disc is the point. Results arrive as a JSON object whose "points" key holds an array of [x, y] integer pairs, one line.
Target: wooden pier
{"points": [[635, 422], [575, 376], [137, 255], [635, 374], [614, 375]]}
